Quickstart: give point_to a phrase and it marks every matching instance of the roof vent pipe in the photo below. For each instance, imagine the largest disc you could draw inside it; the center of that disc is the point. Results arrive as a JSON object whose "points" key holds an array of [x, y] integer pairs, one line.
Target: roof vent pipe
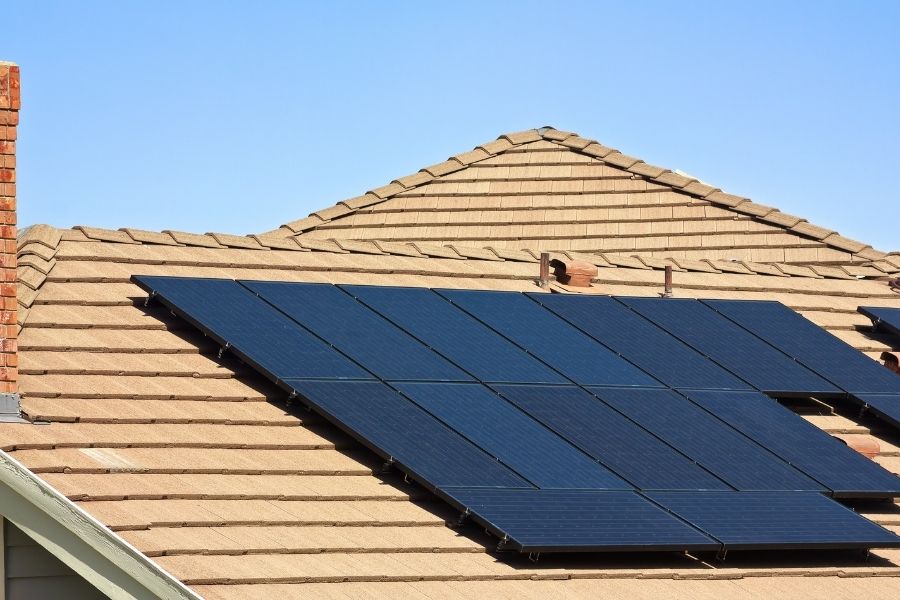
{"points": [[544, 279], [667, 289]]}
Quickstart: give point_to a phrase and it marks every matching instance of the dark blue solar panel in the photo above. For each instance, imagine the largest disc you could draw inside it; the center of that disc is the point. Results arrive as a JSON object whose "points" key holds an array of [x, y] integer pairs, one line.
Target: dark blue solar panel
{"points": [[828, 460], [361, 334], [731, 346], [550, 338], [775, 520], [502, 430], [883, 317], [886, 406], [261, 334], [454, 334], [713, 444], [579, 520], [640, 341], [397, 428], [611, 438], [811, 345]]}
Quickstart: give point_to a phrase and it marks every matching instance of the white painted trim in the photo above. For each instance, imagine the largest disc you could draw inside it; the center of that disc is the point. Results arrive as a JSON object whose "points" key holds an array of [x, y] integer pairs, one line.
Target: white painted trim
{"points": [[2, 558], [88, 547]]}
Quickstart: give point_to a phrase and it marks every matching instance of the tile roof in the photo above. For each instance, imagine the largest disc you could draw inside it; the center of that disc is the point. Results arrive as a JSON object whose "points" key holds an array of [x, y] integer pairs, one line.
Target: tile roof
{"points": [[205, 468], [556, 190]]}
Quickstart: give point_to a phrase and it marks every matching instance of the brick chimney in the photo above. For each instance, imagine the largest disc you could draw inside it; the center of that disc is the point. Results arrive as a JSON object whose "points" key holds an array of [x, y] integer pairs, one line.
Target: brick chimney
{"points": [[9, 120]]}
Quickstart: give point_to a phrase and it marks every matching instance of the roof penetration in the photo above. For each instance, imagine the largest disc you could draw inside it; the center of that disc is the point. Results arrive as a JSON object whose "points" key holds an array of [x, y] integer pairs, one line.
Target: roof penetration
{"points": [[523, 472]]}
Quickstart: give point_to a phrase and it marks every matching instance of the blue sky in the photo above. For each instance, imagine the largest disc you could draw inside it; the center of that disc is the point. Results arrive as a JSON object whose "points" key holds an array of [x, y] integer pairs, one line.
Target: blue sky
{"points": [[240, 116]]}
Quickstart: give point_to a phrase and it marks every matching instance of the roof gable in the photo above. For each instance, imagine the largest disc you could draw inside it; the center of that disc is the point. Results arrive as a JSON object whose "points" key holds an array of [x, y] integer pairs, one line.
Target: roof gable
{"points": [[555, 190]]}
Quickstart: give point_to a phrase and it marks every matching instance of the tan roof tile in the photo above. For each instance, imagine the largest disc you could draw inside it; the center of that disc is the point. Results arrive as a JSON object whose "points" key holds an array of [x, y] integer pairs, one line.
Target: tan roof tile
{"points": [[194, 239], [150, 237], [105, 235], [40, 234], [235, 241]]}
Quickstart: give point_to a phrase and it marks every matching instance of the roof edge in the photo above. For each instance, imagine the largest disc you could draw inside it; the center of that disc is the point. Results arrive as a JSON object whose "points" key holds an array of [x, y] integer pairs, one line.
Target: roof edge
{"points": [[674, 179], [36, 259], [88, 547]]}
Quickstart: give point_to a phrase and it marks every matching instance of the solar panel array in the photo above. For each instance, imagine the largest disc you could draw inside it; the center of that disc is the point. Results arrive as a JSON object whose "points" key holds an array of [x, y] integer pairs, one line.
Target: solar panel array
{"points": [[562, 423]]}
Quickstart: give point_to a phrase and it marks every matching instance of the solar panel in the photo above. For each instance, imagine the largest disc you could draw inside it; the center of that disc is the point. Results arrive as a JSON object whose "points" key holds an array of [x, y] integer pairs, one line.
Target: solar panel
{"points": [[809, 344], [260, 334], [454, 334], [484, 452], [550, 338], [608, 436], [502, 430], [579, 520], [731, 346], [775, 520], [378, 345], [714, 445], [640, 341], [883, 317], [828, 460], [886, 406], [399, 430]]}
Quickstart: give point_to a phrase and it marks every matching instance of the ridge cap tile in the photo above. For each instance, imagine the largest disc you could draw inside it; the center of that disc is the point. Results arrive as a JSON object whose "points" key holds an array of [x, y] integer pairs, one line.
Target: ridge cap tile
{"points": [[321, 245], [105, 235], [358, 246], [398, 248], [193, 239], [150, 237], [304, 224], [278, 243], [40, 233], [521, 137], [436, 250], [235, 241]]}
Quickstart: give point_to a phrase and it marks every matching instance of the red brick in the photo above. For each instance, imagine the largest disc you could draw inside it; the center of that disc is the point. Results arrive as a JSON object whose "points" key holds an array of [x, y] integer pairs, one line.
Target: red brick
{"points": [[7, 147], [15, 97], [7, 232], [7, 217], [9, 345], [8, 317], [8, 290], [8, 275], [7, 203], [8, 303], [7, 387], [9, 374]]}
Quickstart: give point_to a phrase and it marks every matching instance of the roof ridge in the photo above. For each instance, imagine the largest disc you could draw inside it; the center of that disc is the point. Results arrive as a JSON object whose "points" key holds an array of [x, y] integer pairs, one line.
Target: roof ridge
{"points": [[674, 179], [34, 270]]}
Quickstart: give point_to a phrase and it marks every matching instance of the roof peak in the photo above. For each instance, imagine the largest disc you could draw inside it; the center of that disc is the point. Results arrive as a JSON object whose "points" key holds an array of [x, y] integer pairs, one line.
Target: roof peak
{"points": [[673, 179]]}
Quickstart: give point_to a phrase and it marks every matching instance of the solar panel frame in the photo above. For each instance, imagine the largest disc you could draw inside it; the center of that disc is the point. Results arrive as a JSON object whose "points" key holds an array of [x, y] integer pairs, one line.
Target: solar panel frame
{"points": [[884, 406], [846, 472], [732, 346], [362, 334], [774, 520], [796, 336], [610, 437], [664, 356], [713, 444], [611, 510], [883, 317], [466, 342], [568, 350]]}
